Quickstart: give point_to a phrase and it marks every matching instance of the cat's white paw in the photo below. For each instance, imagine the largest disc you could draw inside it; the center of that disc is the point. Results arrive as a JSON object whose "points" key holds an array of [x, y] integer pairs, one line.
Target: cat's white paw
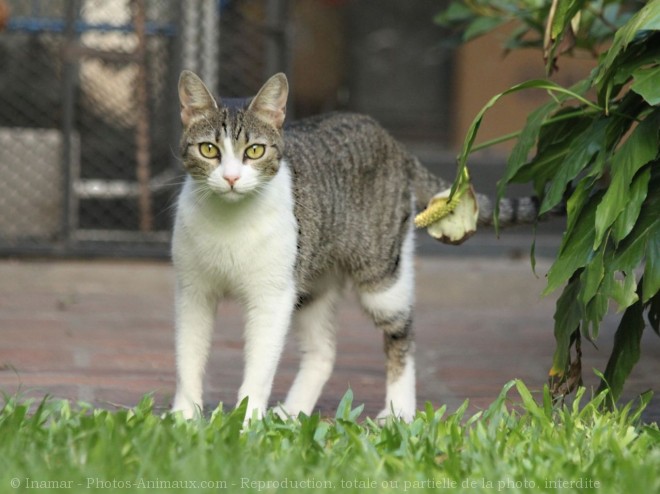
{"points": [[187, 408], [254, 412], [282, 412], [287, 414], [405, 415]]}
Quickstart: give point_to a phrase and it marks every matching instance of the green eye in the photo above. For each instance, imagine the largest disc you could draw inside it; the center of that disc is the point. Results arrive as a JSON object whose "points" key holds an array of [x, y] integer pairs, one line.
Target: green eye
{"points": [[209, 150], [255, 151]]}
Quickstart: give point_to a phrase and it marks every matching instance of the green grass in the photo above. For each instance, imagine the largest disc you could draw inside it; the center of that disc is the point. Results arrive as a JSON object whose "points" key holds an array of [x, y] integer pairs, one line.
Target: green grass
{"points": [[513, 446]]}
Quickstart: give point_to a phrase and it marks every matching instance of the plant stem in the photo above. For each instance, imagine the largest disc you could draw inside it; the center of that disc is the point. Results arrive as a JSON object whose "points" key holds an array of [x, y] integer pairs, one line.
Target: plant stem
{"points": [[513, 135]]}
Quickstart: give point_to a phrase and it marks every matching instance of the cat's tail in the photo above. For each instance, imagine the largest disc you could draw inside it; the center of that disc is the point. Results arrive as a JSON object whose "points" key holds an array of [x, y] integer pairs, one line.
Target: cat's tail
{"points": [[512, 211]]}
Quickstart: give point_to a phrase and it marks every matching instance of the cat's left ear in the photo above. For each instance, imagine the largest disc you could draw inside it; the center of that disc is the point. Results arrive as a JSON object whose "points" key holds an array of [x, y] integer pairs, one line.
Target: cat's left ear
{"points": [[270, 102]]}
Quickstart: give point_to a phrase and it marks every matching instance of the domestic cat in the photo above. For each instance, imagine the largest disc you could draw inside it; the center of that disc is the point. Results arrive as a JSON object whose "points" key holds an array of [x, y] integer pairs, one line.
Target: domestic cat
{"points": [[282, 219]]}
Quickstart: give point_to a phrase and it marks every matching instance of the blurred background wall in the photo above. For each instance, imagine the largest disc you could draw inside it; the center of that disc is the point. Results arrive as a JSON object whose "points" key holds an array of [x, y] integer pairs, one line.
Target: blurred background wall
{"points": [[89, 113]]}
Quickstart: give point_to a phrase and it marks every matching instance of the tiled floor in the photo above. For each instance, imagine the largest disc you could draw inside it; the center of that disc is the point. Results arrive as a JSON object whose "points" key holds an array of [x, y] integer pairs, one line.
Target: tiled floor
{"points": [[101, 332]]}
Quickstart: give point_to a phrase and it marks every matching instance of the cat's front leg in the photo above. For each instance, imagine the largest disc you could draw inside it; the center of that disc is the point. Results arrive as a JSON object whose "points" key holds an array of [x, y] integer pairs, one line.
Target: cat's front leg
{"points": [[195, 314], [268, 320]]}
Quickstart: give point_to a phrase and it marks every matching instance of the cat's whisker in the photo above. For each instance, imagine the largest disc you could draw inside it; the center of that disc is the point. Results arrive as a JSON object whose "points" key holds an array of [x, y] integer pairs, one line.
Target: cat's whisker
{"points": [[203, 195], [178, 183], [174, 154], [169, 208]]}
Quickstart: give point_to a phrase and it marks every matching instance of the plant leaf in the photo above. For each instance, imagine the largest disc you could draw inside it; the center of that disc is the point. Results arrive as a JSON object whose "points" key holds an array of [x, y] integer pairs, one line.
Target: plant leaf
{"points": [[593, 314], [654, 313], [576, 202], [552, 149], [646, 83], [344, 407], [625, 222], [651, 283], [646, 19], [639, 149], [566, 10], [612, 80], [643, 55], [592, 277], [530, 403], [614, 68], [624, 292], [576, 248], [567, 320], [631, 250], [579, 154], [519, 154], [626, 351]]}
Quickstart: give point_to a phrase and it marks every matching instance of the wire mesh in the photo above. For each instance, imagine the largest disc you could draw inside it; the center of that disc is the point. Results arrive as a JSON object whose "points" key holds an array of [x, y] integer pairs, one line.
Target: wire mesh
{"points": [[86, 164]]}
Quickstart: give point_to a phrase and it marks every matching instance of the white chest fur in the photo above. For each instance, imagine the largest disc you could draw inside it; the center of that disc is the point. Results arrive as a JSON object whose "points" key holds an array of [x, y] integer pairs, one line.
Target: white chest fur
{"points": [[234, 246]]}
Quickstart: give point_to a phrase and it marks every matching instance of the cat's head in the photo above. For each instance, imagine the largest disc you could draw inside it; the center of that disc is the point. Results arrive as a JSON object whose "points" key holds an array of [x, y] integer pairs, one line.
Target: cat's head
{"points": [[233, 152]]}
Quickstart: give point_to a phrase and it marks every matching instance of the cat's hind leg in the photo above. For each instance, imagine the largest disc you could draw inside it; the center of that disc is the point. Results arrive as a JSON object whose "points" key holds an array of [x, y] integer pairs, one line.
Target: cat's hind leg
{"points": [[314, 327], [390, 307]]}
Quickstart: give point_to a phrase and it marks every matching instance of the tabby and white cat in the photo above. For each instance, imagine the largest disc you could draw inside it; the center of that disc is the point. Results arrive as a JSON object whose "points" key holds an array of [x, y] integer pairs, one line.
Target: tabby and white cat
{"points": [[282, 220]]}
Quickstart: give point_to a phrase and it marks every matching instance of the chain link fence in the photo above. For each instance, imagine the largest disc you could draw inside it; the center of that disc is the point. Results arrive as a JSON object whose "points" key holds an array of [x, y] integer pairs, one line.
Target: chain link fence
{"points": [[89, 122]]}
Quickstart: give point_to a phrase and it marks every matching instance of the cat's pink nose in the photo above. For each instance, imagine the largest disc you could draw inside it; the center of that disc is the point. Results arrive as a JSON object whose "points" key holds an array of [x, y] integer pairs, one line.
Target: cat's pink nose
{"points": [[231, 179]]}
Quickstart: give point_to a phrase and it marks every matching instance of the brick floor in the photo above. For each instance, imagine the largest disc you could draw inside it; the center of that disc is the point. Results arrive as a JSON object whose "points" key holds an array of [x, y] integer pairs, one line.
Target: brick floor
{"points": [[101, 332]]}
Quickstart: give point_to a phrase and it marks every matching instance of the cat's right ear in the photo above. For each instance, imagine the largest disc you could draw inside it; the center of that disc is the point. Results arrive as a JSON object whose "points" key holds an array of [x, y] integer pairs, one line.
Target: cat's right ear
{"points": [[194, 97]]}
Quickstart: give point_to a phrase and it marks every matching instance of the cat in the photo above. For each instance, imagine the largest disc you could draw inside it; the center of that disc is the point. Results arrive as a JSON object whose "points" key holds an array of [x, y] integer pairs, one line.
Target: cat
{"points": [[282, 219]]}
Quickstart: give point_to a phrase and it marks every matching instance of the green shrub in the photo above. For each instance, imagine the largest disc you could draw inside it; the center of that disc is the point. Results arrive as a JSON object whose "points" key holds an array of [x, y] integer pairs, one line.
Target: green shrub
{"points": [[594, 147]]}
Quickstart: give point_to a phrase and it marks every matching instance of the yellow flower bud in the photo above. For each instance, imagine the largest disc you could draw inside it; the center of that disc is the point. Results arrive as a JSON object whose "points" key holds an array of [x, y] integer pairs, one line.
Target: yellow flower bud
{"points": [[451, 221]]}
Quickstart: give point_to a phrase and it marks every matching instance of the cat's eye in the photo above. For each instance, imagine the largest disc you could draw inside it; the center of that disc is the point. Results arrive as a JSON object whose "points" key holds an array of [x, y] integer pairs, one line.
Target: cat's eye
{"points": [[209, 150], [255, 151]]}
